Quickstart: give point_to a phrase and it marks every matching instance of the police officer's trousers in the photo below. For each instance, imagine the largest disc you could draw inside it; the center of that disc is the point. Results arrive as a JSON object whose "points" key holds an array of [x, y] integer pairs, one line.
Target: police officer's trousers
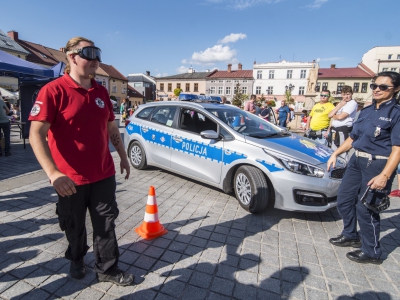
{"points": [[99, 198], [353, 186]]}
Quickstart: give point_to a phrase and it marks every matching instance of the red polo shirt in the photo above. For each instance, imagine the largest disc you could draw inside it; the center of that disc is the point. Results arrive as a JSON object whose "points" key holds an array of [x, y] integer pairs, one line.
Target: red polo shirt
{"points": [[78, 136]]}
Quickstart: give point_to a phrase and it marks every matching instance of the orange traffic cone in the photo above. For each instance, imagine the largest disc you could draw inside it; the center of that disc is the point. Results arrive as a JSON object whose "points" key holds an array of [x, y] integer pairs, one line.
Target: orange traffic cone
{"points": [[151, 227]]}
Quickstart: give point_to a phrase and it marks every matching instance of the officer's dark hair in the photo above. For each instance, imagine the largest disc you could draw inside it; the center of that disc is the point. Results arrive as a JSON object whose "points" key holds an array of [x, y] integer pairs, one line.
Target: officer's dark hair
{"points": [[394, 76], [327, 91]]}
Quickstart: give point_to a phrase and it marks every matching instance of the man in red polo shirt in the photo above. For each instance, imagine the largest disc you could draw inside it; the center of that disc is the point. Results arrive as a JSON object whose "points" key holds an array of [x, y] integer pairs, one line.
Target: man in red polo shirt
{"points": [[76, 115]]}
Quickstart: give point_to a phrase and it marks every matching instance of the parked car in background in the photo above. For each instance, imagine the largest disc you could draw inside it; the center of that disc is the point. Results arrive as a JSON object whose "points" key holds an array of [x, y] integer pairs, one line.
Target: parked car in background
{"points": [[234, 150]]}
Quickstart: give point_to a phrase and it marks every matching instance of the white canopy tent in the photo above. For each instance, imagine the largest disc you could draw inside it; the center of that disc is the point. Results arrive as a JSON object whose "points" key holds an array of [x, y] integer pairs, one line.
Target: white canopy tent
{"points": [[7, 94]]}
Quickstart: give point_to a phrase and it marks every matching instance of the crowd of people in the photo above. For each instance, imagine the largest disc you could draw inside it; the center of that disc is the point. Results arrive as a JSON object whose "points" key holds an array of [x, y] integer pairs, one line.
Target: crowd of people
{"points": [[8, 113]]}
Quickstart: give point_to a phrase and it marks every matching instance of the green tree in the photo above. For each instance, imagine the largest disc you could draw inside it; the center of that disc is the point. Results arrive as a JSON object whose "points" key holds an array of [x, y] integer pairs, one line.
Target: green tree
{"points": [[288, 97], [239, 97], [177, 91]]}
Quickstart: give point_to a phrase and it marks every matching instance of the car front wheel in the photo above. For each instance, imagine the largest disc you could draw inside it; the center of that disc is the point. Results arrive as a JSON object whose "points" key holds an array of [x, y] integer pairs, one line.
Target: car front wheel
{"points": [[137, 156], [251, 189]]}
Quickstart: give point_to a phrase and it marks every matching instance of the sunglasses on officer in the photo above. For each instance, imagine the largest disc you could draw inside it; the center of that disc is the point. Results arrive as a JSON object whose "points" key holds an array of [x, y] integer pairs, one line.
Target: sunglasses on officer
{"points": [[88, 53], [382, 87]]}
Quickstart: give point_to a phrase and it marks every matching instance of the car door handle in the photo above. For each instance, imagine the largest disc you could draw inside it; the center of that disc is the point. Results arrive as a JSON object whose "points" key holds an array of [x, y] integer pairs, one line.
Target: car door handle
{"points": [[177, 139], [145, 129]]}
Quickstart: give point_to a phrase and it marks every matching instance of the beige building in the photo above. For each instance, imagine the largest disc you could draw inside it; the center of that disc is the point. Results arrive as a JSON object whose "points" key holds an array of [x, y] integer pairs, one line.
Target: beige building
{"points": [[118, 83], [333, 79], [380, 59], [192, 82]]}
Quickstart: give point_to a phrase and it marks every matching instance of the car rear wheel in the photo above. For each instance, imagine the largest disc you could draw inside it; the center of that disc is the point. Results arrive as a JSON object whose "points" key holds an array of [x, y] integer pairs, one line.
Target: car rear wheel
{"points": [[137, 156], [251, 189]]}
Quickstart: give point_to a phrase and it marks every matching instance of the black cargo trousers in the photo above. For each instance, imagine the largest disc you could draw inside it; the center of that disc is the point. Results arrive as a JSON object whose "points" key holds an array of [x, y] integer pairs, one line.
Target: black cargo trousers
{"points": [[99, 198]]}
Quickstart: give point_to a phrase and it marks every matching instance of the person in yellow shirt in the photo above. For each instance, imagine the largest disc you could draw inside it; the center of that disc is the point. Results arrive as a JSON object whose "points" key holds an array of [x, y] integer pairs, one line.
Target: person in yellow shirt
{"points": [[318, 120]]}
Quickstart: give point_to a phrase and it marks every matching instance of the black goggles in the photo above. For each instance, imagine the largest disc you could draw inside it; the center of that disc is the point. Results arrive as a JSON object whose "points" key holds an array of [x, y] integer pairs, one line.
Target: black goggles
{"points": [[88, 53], [382, 87]]}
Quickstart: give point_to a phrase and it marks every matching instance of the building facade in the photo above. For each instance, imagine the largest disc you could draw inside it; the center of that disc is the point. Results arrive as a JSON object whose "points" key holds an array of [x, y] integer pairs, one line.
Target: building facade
{"points": [[192, 82], [224, 82], [380, 59], [144, 84], [333, 79], [118, 83], [272, 79]]}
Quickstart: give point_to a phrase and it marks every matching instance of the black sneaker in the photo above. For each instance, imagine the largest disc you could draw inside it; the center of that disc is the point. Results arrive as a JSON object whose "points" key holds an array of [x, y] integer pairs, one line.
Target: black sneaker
{"points": [[342, 241], [77, 269], [117, 276]]}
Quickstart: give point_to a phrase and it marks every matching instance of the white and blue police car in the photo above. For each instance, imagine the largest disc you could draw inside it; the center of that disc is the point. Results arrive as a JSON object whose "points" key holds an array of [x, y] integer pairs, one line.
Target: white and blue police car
{"points": [[226, 147]]}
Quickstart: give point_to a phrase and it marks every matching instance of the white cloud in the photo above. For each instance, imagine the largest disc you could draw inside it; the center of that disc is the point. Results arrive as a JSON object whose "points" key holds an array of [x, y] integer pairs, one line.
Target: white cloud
{"points": [[242, 4], [218, 53], [317, 4], [182, 69], [161, 75], [232, 38]]}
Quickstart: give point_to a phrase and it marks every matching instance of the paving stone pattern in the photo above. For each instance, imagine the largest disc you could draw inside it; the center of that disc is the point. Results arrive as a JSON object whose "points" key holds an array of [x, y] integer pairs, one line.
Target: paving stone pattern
{"points": [[213, 249]]}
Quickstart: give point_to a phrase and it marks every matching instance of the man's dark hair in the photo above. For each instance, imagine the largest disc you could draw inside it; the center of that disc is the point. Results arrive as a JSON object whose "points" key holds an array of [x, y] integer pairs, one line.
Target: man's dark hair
{"points": [[253, 97], [347, 89]]}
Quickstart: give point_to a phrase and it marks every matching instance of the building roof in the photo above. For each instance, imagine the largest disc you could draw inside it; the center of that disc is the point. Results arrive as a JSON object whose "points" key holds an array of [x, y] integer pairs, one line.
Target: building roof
{"points": [[39, 54], [233, 74], [132, 92], [356, 72], [113, 72], [140, 77], [194, 75], [9, 44]]}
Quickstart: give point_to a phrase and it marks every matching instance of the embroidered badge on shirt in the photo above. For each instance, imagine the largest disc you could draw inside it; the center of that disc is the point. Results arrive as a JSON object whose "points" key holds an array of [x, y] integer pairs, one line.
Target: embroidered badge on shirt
{"points": [[377, 131], [35, 110], [99, 102]]}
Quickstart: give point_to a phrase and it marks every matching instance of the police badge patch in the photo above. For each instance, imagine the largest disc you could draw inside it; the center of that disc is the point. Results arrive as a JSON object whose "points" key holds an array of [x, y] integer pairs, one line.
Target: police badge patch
{"points": [[35, 110], [99, 102]]}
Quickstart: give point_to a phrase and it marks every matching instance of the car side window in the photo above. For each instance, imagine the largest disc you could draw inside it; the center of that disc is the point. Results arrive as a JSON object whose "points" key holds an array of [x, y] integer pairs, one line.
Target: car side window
{"points": [[144, 114], [193, 121], [164, 115]]}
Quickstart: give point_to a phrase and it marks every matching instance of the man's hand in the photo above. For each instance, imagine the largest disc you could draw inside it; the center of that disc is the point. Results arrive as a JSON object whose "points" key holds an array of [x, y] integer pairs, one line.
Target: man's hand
{"points": [[63, 184], [124, 164], [331, 162]]}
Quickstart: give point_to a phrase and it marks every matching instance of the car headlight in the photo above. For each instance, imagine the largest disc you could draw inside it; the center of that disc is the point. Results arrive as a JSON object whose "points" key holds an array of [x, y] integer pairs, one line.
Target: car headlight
{"points": [[298, 167]]}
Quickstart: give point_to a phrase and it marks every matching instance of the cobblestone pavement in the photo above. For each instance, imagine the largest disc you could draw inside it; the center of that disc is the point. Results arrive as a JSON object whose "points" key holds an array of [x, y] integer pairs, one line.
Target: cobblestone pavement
{"points": [[213, 250]]}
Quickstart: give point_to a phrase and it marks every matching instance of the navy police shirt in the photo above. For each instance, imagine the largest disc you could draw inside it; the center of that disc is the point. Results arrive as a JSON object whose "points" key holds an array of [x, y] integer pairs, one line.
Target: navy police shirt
{"points": [[377, 129]]}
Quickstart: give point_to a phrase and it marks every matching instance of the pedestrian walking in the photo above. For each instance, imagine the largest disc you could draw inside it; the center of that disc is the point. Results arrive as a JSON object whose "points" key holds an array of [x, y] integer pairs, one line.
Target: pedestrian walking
{"points": [[5, 127], [250, 105], [318, 120], [342, 118], [370, 172], [283, 114], [77, 115]]}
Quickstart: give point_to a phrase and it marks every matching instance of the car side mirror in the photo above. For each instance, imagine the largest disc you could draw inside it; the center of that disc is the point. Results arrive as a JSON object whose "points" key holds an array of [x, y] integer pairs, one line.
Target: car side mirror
{"points": [[210, 134]]}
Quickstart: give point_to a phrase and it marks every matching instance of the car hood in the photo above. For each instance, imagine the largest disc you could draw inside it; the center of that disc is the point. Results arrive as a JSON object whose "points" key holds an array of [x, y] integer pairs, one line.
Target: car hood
{"points": [[295, 146]]}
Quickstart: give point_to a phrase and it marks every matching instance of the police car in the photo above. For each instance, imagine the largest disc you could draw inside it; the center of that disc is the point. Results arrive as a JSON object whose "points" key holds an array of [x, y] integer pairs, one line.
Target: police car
{"points": [[226, 147]]}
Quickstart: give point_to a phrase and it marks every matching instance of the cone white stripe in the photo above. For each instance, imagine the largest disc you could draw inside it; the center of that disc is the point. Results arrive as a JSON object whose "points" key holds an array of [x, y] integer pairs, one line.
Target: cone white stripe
{"points": [[151, 200], [150, 218]]}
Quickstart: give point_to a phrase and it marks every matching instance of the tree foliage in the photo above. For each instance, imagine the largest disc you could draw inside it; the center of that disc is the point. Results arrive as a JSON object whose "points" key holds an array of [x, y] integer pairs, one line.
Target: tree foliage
{"points": [[239, 98], [177, 91]]}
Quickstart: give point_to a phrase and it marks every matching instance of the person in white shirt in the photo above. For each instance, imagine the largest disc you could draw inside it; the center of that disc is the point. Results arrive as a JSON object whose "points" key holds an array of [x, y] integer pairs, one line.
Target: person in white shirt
{"points": [[342, 117]]}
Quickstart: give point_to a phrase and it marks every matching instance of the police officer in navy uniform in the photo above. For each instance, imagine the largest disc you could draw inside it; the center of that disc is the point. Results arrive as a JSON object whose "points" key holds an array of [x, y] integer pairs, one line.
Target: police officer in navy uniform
{"points": [[376, 139]]}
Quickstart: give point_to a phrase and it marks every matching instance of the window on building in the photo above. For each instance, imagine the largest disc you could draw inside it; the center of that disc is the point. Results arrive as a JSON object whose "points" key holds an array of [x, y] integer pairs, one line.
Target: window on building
{"points": [[303, 74], [138, 84], [364, 86], [161, 86], [339, 87], [114, 89], [393, 69], [236, 81], [289, 74], [259, 74], [244, 81], [212, 81], [169, 87], [228, 90], [271, 74], [385, 69], [196, 87], [356, 87], [220, 90], [244, 90], [103, 82], [324, 86], [301, 90], [398, 56], [228, 81], [187, 87], [123, 91], [178, 85], [270, 90], [212, 90], [258, 90], [220, 81], [318, 87], [390, 56]]}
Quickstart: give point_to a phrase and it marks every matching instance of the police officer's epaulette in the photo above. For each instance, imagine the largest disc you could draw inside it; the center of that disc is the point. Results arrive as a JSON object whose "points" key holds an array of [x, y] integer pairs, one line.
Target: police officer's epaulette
{"points": [[366, 107], [397, 106]]}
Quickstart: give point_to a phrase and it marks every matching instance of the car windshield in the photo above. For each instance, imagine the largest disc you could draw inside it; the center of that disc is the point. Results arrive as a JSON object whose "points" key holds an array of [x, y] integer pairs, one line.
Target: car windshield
{"points": [[247, 123]]}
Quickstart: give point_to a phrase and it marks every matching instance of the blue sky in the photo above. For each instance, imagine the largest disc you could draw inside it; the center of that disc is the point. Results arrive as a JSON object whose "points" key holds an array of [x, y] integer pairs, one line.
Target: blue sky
{"points": [[166, 37]]}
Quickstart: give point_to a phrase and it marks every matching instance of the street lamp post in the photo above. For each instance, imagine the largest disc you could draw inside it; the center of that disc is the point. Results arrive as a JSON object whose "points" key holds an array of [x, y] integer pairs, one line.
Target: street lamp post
{"points": [[289, 87]]}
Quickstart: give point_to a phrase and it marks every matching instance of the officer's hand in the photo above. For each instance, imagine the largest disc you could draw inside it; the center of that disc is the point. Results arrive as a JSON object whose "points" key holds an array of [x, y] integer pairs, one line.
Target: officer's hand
{"points": [[331, 162], [124, 164], [378, 182], [63, 184]]}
